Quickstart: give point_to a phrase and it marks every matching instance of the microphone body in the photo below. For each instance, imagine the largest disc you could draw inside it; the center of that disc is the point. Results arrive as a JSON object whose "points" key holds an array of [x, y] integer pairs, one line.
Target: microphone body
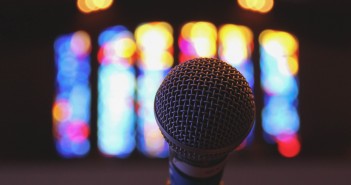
{"points": [[182, 173], [204, 109]]}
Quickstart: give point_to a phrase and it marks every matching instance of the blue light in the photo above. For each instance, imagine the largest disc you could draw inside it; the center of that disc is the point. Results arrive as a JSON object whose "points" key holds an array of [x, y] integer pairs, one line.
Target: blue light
{"points": [[151, 142], [63, 148], [80, 149], [113, 33], [280, 84], [116, 88], [155, 44], [116, 110], [72, 87], [235, 47], [80, 102], [279, 116]]}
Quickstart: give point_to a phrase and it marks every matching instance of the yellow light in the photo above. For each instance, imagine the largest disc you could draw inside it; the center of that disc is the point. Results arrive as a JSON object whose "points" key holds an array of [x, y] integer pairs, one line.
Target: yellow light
{"points": [[124, 47], [87, 6], [203, 29], [293, 65], [269, 43], [108, 4], [283, 46], [289, 42], [203, 35], [90, 4], [155, 36], [235, 38], [99, 3], [186, 30], [165, 26], [155, 41], [261, 6], [266, 36], [157, 61], [247, 33], [268, 6], [139, 32], [102, 4], [278, 42], [243, 4], [167, 60]]}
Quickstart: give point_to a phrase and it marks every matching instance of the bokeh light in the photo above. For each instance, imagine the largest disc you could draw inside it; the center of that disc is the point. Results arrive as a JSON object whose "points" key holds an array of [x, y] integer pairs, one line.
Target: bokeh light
{"points": [[260, 6], [116, 89], [88, 6], [279, 70], [71, 108], [235, 47], [197, 39], [155, 43], [289, 145]]}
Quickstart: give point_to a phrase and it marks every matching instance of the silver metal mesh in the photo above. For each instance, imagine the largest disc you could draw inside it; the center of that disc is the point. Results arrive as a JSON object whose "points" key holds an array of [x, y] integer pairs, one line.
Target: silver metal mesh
{"points": [[204, 108]]}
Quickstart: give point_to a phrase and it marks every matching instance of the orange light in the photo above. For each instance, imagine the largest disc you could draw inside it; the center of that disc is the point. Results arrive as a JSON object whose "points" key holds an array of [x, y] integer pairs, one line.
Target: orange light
{"points": [[186, 30], [80, 43], [260, 6], [88, 6], [82, 6], [61, 111]]}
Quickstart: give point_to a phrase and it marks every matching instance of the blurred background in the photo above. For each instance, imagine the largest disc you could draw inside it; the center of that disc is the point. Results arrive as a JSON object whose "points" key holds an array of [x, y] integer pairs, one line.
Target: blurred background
{"points": [[78, 79]]}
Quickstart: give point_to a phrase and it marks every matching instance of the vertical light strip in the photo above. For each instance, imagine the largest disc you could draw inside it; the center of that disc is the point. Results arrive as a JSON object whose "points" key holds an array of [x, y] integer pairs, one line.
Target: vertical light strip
{"points": [[71, 109], [116, 89], [197, 39], [155, 44], [279, 69], [235, 47]]}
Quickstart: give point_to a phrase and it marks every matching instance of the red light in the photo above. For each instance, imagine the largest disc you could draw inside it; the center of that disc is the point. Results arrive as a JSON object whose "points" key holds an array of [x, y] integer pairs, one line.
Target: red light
{"points": [[289, 146], [101, 54]]}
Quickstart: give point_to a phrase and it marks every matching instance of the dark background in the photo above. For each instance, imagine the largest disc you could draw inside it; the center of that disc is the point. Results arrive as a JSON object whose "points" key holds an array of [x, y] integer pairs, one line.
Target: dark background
{"points": [[27, 75]]}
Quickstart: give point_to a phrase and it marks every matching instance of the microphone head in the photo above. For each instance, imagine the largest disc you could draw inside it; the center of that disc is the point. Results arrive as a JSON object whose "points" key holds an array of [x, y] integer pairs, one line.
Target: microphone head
{"points": [[204, 108]]}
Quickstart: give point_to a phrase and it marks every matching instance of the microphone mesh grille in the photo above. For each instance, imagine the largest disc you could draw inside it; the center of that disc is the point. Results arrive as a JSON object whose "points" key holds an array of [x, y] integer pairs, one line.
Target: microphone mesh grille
{"points": [[206, 108]]}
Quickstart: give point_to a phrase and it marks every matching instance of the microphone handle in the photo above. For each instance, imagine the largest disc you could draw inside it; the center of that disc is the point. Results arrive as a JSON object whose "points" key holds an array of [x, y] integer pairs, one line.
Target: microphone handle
{"points": [[179, 178]]}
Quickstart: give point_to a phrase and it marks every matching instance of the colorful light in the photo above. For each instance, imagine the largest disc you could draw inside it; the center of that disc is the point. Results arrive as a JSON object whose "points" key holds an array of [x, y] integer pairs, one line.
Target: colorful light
{"points": [[289, 145], [88, 6], [71, 109], [197, 39], [116, 88], [155, 43], [235, 47], [279, 69], [260, 6]]}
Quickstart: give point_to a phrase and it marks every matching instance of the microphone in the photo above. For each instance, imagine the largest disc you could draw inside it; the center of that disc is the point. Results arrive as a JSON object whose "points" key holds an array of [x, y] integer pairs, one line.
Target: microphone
{"points": [[204, 108]]}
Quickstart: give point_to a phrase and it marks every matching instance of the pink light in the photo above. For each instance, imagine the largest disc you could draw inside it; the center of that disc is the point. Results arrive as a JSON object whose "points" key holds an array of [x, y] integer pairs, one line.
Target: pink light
{"points": [[241, 146], [77, 131]]}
